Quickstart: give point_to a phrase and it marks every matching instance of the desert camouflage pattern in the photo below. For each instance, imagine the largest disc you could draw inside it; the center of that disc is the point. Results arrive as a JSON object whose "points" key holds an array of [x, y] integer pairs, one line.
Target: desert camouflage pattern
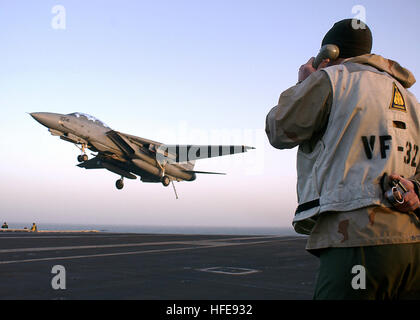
{"points": [[288, 125]]}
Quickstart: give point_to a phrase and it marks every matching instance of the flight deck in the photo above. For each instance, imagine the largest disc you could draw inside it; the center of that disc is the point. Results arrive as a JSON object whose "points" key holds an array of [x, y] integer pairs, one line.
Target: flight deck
{"points": [[154, 266]]}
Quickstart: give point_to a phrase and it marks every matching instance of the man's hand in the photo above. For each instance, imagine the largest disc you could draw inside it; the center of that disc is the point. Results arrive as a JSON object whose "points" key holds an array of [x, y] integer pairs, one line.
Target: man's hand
{"points": [[307, 69], [411, 200]]}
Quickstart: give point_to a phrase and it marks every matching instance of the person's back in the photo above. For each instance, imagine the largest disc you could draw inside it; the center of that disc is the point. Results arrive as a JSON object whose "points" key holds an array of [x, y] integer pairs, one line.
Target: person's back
{"points": [[356, 126], [367, 135]]}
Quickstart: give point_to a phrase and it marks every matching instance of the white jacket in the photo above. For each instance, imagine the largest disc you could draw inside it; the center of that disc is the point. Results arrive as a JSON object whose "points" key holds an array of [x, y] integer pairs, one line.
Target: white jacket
{"points": [[373, 128]]}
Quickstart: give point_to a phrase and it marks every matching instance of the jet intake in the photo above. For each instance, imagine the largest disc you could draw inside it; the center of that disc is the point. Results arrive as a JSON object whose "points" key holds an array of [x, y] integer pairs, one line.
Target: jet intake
{"points": [[73, 139], [55, 132]]}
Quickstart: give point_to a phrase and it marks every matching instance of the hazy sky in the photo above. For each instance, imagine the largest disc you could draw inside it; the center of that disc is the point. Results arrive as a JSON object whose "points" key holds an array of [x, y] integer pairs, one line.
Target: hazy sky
{"points": [[188, 72]]}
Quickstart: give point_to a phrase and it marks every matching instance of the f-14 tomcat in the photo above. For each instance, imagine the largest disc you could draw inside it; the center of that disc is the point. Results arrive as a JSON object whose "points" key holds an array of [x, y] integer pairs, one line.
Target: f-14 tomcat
{"points": [[127, 155]]}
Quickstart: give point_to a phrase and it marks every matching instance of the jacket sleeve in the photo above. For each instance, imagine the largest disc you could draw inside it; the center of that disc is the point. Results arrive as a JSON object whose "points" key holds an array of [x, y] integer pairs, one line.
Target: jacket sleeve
{"points": [[302, 112]]}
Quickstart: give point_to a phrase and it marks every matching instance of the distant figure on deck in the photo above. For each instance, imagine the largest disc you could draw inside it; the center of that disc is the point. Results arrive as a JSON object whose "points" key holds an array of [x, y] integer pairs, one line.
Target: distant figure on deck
{"points": [[34, 227], [5, 226]]}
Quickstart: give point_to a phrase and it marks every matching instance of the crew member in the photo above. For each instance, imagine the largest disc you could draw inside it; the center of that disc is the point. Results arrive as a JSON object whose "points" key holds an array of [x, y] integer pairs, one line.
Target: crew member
{"points": [[358, 128], [34, 227]]}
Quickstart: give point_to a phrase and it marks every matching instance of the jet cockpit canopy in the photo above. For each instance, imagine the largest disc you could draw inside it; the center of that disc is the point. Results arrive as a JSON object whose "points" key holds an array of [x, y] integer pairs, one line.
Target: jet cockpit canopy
{"points": [[88, 117]]}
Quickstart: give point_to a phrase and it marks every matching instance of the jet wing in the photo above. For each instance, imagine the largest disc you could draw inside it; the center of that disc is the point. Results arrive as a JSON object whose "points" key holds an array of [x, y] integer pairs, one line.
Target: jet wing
{"points": [[129, 143], [121, 142], [141, 142], [172, 153], [183, 153]]}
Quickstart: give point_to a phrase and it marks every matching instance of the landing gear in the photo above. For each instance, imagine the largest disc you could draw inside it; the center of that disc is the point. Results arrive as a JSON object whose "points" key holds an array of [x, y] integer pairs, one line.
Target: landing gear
{"points": [[165, 181], [82, 158], [119, 184]]}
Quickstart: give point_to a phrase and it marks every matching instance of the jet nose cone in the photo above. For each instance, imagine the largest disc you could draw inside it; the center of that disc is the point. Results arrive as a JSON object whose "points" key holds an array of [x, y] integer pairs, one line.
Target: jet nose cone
{"points": [[36, 115], [47, 119]]}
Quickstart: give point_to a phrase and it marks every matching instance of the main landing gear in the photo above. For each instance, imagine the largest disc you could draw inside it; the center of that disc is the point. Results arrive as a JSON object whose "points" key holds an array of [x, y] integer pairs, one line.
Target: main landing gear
{"points": [[165, 181], [119, 183]]}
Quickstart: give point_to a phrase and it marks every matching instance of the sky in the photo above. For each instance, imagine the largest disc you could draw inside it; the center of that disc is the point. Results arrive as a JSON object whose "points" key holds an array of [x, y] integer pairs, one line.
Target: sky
{"points": [[184, 71]]}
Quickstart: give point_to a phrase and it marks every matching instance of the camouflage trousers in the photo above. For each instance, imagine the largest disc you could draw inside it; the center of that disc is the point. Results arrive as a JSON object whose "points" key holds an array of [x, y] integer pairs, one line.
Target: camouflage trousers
{"points": [[385, 272]]}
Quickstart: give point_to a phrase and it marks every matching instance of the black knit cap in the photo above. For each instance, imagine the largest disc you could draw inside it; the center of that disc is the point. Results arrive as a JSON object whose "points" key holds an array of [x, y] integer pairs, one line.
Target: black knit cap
{"points": [[352, 38]]}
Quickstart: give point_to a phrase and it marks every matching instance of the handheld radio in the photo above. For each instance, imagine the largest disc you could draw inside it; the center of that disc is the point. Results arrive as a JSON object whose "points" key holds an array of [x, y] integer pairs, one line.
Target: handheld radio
{"points": [[328, 51]]}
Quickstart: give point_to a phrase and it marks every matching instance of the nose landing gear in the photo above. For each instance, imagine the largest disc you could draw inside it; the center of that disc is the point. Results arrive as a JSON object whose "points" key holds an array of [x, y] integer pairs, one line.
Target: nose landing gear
{"points": [[83, 157]]}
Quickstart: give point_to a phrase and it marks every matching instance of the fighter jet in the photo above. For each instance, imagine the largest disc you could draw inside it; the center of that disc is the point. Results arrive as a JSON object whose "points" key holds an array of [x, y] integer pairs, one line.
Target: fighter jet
{"points": [[129, 156]]}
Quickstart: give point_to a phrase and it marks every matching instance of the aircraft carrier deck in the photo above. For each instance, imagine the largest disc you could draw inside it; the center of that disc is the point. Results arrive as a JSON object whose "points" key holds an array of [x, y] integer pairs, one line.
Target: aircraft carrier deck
{"points": [[155, 266]]}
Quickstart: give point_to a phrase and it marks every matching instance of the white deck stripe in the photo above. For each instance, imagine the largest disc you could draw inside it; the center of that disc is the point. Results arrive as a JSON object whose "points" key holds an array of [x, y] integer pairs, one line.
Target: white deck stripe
{"points": [[81, 236], [214, 245], [122, 245], [135, 235]]}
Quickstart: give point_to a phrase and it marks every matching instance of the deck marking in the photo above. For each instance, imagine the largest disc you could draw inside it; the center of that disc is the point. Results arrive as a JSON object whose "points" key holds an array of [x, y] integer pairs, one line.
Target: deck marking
{"points": [[196, 246], [233, 271], [134, 244]]}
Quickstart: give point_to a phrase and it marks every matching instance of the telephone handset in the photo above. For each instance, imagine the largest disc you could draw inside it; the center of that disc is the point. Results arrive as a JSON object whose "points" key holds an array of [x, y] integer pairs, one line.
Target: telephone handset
{"points": [[328, 51]]}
